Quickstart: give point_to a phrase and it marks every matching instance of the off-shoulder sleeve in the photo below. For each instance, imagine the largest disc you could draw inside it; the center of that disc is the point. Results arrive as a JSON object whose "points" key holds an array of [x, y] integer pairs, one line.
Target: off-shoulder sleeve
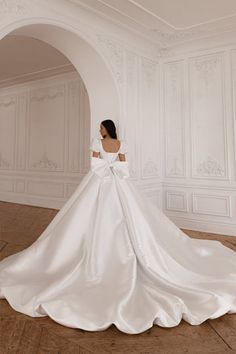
{"points": [[123, 147], [95, 144]]}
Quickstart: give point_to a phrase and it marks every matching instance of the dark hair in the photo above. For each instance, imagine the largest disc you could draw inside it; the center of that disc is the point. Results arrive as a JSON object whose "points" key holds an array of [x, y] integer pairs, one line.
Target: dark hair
{"points": [[110, 127]]}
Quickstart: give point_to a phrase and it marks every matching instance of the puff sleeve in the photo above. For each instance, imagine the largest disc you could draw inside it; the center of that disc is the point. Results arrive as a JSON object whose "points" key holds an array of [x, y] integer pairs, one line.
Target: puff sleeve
{"points": [[94, 144], [123, 147]]}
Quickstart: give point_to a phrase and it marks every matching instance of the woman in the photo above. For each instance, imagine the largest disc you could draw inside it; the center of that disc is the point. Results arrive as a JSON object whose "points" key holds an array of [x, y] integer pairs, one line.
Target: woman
{"points": [[110, 256]]}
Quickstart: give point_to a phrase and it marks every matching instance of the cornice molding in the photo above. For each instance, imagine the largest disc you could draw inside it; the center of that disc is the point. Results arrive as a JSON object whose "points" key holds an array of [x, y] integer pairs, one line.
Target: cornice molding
{"points": [[63, 69], [163, 34]]}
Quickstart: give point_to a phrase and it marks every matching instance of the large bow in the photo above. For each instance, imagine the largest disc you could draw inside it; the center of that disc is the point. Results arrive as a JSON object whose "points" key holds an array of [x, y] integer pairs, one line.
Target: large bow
{"points": [[106, 169]]}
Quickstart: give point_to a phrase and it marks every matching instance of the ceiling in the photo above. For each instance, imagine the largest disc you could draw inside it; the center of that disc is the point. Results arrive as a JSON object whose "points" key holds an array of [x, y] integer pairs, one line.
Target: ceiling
{"points": [[168, 22], [178, 14], [25, 59]]}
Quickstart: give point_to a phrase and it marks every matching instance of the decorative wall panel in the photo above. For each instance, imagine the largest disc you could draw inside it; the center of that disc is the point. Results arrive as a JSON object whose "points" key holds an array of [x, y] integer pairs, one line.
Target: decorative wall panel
{"points": [[207, 117], [173, 119], [150, 127], [44, 139]]}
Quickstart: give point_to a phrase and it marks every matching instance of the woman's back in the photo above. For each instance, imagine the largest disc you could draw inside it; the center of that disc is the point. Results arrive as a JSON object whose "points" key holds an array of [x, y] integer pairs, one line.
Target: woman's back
{"points": [[97, 145]]}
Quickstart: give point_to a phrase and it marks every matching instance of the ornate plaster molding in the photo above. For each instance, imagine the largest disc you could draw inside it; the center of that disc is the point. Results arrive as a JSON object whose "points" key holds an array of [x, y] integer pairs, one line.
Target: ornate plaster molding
{"points": [[210, 167], [47, 93], [14, 7], [3, 162], [7, 101], [206, 68], [45, 162], [116, 56]]}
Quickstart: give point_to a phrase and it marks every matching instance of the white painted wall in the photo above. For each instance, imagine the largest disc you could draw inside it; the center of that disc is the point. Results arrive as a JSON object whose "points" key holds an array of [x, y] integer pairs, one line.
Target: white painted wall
{"points": [[198, 112], [44, 140], [176, 111]]}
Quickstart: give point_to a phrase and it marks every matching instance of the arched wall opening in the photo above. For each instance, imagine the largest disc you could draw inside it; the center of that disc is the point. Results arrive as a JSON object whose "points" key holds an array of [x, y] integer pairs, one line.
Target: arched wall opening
{"points": [[104, 102], [101, 86]]}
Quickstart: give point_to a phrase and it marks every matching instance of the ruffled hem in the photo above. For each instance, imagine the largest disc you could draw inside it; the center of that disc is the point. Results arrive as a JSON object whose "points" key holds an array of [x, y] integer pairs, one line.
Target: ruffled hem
{"points": [[161, 318]]}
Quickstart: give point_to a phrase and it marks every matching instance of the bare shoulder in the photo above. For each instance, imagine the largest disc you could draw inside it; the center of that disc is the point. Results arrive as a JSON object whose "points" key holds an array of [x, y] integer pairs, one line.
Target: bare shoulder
{"points": [[119, 141]]}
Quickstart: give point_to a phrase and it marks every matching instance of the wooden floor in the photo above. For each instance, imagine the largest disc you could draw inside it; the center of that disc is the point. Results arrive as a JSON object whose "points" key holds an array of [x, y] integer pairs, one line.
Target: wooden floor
{"points": [[21, 225]]}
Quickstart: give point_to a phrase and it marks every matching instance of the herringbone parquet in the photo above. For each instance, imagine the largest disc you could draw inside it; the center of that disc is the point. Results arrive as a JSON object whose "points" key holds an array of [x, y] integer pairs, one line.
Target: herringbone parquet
{"points": [[20, 225]]}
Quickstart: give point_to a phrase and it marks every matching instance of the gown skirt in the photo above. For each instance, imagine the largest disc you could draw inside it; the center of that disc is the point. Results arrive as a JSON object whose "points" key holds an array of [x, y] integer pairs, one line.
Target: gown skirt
{"points": [[110, 256]]}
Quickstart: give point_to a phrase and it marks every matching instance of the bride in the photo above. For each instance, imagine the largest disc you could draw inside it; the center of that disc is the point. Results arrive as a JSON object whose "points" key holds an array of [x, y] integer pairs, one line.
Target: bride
{"points": [[110, 256]]}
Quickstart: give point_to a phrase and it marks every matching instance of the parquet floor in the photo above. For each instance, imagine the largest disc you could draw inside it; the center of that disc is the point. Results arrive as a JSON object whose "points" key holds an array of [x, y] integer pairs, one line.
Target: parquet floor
{"points": [[20, 225]]}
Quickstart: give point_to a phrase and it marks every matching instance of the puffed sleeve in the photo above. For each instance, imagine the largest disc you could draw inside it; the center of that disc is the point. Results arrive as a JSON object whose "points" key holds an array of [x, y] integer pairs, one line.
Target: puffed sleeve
{"points": [[94, 144], [123, 147]]}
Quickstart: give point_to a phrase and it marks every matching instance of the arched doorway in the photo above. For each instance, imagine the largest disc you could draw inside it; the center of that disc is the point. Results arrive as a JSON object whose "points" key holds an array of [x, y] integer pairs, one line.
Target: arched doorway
{"points": [[102, 90], [103, 94]]}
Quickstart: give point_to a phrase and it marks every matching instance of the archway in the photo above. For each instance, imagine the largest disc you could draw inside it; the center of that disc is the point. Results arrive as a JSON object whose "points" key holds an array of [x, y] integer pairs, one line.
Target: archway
{"points": [[98, 79], [104, 100]]}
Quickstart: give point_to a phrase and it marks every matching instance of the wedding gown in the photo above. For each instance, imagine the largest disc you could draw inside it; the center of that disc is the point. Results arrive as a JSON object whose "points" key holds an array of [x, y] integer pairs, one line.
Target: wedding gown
{"points": [[110, 256]]}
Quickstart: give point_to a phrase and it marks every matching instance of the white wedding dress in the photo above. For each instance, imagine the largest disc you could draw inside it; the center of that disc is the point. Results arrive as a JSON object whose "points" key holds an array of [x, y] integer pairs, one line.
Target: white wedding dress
{"points": [[110, 256]]}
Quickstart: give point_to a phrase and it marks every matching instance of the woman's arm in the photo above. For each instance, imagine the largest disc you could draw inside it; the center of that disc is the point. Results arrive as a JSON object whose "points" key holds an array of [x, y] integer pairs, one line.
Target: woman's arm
{"points": [[95, 154], [122, 157]]}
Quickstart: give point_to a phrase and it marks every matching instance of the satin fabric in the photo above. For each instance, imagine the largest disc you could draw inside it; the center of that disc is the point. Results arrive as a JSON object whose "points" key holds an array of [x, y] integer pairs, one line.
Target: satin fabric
{"points": [[110, 256]]}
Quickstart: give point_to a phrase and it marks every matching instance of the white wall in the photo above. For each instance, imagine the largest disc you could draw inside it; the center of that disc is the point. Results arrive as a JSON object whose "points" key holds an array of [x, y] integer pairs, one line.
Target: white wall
{"points": [[44, 140], [177, 113], [198, 111]]}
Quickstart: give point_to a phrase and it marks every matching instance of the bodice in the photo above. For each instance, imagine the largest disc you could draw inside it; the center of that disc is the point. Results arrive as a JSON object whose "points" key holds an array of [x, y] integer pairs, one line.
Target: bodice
{"points": [[108, 156], [108, 165]]}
